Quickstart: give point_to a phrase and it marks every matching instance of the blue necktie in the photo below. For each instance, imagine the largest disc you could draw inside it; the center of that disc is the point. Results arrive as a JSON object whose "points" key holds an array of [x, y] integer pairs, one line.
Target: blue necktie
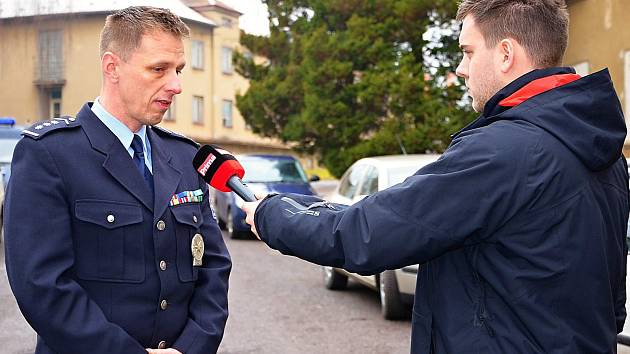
{"points": [[138, 159]]}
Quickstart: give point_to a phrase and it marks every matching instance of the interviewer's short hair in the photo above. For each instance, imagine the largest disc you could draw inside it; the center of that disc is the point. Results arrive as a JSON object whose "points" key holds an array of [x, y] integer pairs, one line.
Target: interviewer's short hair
{"points": [[540, 26], [124, 29]]}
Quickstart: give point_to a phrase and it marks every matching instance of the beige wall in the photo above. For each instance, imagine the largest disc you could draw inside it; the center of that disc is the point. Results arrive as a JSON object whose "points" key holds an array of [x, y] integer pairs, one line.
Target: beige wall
{"points": [[21, 98], [238, 138], [599, 34]]}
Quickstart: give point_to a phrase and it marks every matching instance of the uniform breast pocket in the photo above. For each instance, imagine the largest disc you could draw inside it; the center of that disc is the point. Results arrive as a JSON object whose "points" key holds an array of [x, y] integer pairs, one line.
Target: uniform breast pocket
{"points": [[188, 223], [109, 241]]}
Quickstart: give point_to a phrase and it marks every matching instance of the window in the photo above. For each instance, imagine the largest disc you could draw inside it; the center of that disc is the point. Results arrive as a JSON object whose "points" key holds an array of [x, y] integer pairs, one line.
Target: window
{"points": [[170, 113], [370, 182], [226, 60], [50, 55], [197, 54], [55, 103], [226, 22], [350, 181], [582, 68], [227, 113], [626, 91], [197, 110]]}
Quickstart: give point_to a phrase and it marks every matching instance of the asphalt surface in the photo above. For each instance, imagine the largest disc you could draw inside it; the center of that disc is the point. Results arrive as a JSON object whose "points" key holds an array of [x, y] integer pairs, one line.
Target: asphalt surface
{"points": [[278, 304]]}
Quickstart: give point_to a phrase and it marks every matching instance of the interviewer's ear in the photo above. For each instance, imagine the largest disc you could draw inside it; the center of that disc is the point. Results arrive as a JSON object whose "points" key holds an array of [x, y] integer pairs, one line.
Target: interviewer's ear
{"points": [[110, 63], [507, 52]]}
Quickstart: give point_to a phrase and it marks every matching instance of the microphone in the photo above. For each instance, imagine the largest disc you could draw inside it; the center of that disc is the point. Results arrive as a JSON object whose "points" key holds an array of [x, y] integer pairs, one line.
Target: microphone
{"points": [[221, 170]]}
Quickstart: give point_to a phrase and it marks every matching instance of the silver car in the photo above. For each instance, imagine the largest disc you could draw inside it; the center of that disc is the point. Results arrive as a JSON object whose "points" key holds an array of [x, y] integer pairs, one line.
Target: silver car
{"points": [[364, 177]]}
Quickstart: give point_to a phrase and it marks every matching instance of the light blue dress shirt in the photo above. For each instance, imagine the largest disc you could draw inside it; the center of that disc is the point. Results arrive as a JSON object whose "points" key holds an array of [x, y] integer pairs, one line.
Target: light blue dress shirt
{"points": [[123, 133]]}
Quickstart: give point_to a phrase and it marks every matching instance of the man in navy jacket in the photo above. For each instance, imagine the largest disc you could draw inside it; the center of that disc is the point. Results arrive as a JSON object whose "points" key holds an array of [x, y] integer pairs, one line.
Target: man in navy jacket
{"points": [[520, 226], [111, 246]]}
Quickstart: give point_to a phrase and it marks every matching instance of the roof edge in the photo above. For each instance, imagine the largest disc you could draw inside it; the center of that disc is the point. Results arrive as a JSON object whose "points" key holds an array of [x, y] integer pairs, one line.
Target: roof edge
{"points": [[211, 25]]}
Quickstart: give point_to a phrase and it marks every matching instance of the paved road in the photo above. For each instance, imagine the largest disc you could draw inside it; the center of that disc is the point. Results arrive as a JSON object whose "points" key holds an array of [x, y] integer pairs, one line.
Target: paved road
{"points": [[277, 305], [16, 336]]}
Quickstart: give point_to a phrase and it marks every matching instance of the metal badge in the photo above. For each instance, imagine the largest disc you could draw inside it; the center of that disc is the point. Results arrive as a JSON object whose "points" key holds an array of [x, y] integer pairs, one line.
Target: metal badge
{"points": [[197, 249]]}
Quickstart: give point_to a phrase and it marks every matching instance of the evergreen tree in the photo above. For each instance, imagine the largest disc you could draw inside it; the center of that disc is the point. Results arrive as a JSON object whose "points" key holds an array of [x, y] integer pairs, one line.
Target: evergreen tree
{"points": [[346, 79]]}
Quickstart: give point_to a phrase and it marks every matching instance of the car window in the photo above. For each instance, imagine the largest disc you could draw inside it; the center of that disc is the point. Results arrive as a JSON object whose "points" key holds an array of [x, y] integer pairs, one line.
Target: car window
{"points": [[370, 182], [398, 174], [350, 180], [269, 170], [9, 137], [6, 149]]}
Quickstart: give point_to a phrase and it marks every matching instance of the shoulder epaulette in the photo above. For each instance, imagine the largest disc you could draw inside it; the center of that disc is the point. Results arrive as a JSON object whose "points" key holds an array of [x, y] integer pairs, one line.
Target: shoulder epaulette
{"points": [[169, 133], [38, 130]]}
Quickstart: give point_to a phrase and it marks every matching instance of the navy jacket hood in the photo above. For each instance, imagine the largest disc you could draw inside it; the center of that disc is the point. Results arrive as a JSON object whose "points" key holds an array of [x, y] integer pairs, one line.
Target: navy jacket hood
{"points": [[585, 115]]}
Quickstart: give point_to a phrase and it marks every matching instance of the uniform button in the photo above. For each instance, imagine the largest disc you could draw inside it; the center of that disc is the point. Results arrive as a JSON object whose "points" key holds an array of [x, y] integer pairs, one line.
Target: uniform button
{"points": [[161, 225], [162, 345], [110, 218], [163, 265], [163, 304], [194, 218]]}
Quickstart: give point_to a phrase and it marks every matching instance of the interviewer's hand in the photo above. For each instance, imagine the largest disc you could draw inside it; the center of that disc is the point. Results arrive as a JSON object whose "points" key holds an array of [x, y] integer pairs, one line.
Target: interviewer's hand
{"points": [[163, 351], [250, 209]]}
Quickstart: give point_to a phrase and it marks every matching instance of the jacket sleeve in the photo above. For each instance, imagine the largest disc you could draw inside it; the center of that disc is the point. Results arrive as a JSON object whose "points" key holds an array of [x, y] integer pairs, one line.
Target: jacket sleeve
{"points": [[460, 199], [620, 301], [40, 258], [208, 309]]}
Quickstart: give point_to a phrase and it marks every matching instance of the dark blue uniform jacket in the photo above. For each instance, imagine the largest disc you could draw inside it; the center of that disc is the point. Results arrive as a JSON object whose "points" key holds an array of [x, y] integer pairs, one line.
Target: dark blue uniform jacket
{"points": [[519, 227], [84, 244]]}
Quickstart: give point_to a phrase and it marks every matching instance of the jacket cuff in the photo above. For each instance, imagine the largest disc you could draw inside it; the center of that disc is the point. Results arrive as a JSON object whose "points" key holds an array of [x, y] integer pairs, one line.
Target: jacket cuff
{"points": [[194, 340]]}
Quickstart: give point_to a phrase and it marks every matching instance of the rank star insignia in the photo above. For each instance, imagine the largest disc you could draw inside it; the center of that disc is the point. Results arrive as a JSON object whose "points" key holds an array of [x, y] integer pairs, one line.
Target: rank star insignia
{"points": [[197, 249]]}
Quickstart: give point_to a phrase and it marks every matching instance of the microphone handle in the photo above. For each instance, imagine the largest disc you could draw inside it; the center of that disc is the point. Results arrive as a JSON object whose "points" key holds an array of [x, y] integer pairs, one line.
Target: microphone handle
{"points": [[240, 189]]}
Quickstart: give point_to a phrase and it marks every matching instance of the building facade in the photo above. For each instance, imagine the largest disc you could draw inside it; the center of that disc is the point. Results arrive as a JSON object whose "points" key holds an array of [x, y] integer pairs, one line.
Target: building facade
{"points": [[50, 66], [599, 38]]}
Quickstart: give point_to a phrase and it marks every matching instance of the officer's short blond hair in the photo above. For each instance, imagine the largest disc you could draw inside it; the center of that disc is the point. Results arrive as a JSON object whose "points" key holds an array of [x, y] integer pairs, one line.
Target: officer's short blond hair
{"points": [[540, 26], [124, 29]]}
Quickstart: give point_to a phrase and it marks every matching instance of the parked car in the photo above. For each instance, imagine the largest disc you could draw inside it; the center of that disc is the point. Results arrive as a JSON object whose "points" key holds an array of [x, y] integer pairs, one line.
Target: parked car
{"points": [[366, 176], [10, 134], [263, 174]]}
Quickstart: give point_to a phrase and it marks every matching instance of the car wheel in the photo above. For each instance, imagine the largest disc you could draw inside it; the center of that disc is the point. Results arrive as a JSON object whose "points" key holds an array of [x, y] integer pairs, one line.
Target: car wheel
{"points": [[333, 280], [392, 305], [229, 226]]}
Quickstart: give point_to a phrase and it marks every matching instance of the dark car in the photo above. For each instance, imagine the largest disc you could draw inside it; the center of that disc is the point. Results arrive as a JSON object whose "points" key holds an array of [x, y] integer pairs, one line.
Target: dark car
{"points": [[10, 134], [263, 174]]}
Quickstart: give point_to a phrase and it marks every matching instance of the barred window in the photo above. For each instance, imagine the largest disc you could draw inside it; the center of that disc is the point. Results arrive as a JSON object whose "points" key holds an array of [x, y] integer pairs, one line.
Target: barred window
{"points": [[50, 55]]}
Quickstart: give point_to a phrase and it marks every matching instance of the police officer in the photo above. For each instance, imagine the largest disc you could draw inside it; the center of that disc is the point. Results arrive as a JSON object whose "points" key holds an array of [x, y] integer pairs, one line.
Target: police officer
{"points": [[110, 242]]}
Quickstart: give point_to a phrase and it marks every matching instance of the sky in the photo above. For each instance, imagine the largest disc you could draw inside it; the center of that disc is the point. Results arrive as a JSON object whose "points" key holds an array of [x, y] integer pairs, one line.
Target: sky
{"points": [[254, 19]]}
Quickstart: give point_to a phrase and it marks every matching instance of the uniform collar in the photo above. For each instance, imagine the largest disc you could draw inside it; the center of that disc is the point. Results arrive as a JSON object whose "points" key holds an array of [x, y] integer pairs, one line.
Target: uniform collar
{"points": [[121, 131]]}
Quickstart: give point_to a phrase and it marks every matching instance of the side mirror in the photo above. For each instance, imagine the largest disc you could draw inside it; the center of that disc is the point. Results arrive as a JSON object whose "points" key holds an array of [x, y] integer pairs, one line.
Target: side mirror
{"points": [[314, 178]]}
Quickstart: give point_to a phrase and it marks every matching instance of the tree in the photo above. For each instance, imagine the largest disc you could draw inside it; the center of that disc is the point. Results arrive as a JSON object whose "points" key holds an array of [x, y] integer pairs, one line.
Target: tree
{"points": [[346, 79]]}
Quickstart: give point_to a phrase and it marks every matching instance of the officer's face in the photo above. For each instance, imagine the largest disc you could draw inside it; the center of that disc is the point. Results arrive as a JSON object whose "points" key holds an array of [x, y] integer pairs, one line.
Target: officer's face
{"points": [[149, 79], [478, 65]]}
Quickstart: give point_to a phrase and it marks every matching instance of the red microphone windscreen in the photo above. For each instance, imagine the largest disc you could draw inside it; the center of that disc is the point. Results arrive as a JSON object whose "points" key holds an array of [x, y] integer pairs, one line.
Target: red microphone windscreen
{"points": [[217, 166]]}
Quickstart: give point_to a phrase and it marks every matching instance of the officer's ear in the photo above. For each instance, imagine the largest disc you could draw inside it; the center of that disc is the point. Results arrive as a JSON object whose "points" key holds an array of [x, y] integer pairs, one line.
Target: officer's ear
{"points": [[110, 64]]}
